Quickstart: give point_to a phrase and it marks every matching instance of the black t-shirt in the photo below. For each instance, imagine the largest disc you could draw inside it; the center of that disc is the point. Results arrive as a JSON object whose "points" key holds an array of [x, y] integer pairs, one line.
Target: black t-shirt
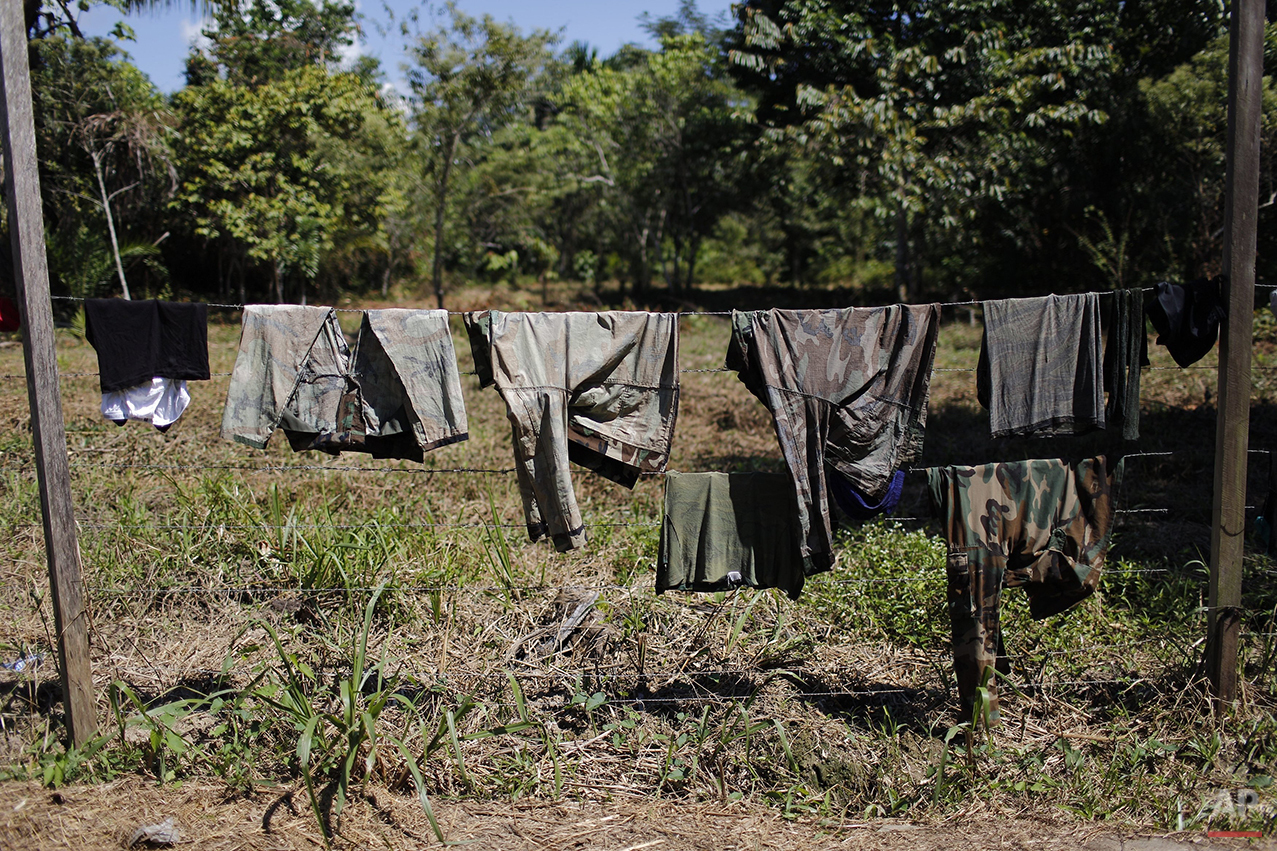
{"points": [[140, 340]]}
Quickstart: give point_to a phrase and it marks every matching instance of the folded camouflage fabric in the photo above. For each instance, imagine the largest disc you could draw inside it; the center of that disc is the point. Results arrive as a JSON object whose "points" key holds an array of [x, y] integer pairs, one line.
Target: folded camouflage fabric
{"points": [[1043, 525], [398, 396], [846, 388], [723, 530], [600, 389], [1040, 370]]}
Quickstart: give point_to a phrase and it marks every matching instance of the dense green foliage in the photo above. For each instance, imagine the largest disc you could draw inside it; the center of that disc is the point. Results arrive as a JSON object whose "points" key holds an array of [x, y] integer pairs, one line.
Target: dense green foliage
{"points": [[977, 147]]}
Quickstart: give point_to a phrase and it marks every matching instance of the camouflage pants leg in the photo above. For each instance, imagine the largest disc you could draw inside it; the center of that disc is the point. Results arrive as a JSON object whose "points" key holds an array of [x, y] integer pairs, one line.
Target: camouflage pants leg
{"points": [[1042, 525], [975, 594]]}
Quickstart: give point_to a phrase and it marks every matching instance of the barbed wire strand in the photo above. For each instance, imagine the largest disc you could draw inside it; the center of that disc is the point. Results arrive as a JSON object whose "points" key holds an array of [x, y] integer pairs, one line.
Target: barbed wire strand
{"points": [[706, 369], [226, 306], [284, 591], [430, 471]]}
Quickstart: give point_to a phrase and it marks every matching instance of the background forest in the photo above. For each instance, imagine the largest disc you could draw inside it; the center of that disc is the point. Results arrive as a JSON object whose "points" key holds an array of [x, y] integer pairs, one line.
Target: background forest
{"points": [[911, 149]]}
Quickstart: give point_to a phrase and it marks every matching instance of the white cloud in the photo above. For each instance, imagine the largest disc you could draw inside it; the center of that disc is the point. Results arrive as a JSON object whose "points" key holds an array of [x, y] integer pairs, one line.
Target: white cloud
{"points": [[193, 33], [350, 52]]}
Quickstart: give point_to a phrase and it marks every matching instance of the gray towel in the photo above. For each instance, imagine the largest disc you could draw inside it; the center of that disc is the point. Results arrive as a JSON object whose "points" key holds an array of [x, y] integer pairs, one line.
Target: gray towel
{"points": [[1041, 366]]}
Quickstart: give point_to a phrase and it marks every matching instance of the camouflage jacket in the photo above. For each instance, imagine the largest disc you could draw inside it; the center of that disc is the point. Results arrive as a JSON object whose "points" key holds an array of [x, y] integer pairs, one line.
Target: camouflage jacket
{"points": [[846, 388]]}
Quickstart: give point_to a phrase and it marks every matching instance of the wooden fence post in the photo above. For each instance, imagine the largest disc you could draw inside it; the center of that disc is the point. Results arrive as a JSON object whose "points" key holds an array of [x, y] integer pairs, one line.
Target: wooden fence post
{"points": [[30, 268], [1241, 209]]}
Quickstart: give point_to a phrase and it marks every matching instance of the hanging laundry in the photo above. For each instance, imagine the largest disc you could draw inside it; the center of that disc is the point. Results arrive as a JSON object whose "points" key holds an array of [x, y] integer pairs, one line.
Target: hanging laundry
{"points": [[1267, 517], [1043, 525], [397, 396], [1124, 354], [725, 530], [847, 390], [1186, 317], [147, 351], [1041, 366], [160, 402], [599, 389], [10, 319]]}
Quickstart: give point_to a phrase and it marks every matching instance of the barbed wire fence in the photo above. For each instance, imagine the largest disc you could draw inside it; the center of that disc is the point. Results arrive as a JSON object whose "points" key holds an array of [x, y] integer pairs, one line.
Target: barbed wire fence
{"points": [[680, 684]]}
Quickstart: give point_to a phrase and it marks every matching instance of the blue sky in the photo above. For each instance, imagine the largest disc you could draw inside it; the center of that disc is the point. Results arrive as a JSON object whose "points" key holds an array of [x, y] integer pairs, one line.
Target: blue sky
{"points": [[164, 37]]}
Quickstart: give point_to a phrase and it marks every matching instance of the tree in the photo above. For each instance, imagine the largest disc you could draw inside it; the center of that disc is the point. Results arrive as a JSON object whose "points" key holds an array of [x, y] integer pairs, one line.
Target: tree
{"points": [[962, 120], [255, 41], [1180, 186], [666, 135], [265, 173], [287, 159], [468, 78], [104, 131]]}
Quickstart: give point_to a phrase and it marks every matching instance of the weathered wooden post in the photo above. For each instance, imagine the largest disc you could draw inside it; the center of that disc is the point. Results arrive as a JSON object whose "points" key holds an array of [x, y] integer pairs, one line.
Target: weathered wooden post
{"points": [[1245, 78], [30, 268]]}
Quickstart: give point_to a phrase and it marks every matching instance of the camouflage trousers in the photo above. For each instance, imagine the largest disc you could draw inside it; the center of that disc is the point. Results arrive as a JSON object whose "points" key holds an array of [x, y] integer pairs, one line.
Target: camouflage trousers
{"points": [[1042, 525], [396, 396], [846, 388], [599, 389]]}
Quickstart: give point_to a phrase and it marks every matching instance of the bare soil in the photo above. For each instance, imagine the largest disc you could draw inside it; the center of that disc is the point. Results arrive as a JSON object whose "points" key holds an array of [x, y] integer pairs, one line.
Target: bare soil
{"points": [[106, 816]]}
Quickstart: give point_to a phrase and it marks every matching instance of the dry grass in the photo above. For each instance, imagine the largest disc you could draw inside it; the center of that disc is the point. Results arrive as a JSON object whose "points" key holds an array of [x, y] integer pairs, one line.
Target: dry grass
{"points": [[33, 817]]}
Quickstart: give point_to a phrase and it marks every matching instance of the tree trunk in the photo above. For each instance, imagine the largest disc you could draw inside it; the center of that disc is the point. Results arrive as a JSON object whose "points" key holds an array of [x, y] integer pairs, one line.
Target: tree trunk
{"points": [[279, 283], [223, 279], [110, 221], [674, 281], [693, 248], [658, 246], [904, 282], [643, 273], [385, 280], [441, 202], [598, 259]]}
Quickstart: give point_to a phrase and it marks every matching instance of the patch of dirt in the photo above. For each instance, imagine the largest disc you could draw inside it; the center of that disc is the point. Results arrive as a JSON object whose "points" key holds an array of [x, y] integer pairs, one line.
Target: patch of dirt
{"points": [[105, 816]]}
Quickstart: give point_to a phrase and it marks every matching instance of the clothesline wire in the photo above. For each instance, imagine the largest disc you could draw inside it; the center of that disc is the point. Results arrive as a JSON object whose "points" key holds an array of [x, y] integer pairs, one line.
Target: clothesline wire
{"points": [[216, 527], [642, 700], [282, 591], [459, 679], [225, 306], [430, 471], [19, 376], [227, 374], [663, 673]]}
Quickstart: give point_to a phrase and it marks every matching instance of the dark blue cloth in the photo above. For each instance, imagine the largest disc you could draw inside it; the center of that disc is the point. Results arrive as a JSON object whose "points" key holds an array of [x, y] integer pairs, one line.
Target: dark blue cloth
{"points": [[853, 502], [1186, 318]]}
